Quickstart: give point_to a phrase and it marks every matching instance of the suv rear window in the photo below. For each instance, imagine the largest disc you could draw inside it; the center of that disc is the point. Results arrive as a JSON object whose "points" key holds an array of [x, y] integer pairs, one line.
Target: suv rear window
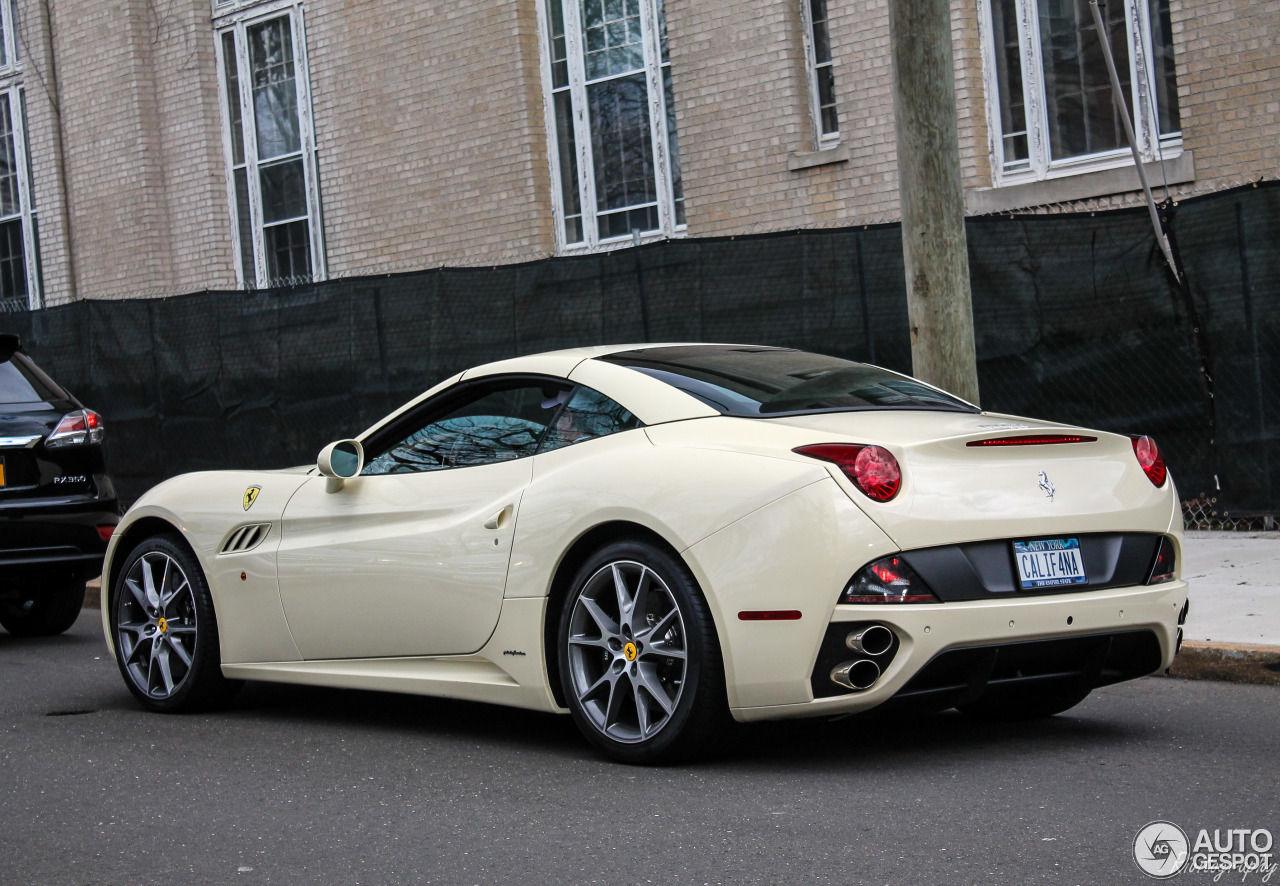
{"points": [[753, 382], [21, 381]]}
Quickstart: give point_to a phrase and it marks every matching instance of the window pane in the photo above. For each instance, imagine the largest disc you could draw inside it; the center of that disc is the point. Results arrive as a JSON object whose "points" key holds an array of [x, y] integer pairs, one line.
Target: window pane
{"points": [[587, 415], [244, 227], [275, 96], [612, 37], [673, 145], [288, 253], [1082, 114], [1165, 78], [13, 261], [9, 203], [821, 37], [1008, 54], [284, 195], [620, 138], [233, 97], [4, 55], [490, 426], [559, 48], [568, 151]]}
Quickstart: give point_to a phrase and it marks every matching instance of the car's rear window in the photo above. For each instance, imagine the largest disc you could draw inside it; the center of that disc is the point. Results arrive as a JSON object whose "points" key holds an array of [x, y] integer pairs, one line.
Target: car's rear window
{"points": [[754, 382], [21, 381]]}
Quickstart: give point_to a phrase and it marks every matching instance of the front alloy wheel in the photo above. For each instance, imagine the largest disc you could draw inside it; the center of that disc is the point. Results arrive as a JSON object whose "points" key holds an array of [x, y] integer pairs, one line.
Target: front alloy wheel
{"points": [[639, 661], [166, 637]]}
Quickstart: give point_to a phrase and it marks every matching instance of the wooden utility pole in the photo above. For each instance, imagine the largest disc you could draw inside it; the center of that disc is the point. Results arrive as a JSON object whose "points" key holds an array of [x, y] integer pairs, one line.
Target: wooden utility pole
{"points": [[939, 304]]}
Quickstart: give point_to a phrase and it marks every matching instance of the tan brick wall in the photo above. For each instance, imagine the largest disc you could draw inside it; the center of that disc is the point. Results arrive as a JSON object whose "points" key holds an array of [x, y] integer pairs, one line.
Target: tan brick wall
{"points": [[1228, 76], [430, 133], [431, 142]]}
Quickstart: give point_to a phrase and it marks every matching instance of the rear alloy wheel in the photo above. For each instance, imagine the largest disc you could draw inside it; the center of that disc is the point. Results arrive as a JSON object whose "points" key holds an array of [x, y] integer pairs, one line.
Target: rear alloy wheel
{"points": [[639, 660], [166, 637], [52, 612]]}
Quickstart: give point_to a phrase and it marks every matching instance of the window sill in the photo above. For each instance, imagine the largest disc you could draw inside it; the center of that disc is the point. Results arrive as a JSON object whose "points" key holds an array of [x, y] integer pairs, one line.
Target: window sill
{"points": [[809, 159], [1082, 186]]}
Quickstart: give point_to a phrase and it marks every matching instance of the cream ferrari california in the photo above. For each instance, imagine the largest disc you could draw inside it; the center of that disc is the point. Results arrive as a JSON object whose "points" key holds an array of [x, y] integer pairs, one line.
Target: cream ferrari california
{"points": [[659, 540]]}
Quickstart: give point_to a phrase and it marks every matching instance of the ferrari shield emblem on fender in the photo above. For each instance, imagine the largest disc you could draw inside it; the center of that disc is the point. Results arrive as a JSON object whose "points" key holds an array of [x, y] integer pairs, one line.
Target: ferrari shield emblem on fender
{"points": [[250, 496]]}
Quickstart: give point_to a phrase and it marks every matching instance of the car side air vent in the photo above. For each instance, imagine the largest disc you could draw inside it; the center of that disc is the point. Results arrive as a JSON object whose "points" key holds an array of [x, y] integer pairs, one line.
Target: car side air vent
{"points": [[245, 538]]}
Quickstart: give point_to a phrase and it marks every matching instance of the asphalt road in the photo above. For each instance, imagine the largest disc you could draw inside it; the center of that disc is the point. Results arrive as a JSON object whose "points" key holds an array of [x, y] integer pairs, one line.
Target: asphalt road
{"points": [[327, 786]]}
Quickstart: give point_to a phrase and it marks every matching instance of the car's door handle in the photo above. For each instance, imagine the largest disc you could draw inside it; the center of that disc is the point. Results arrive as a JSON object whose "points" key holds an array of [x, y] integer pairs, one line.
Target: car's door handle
{"points": [[498, 520]]}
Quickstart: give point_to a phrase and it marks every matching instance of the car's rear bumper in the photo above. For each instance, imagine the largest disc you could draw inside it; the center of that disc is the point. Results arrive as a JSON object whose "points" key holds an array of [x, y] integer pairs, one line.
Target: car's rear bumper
{"points": [[930, 635], [40, 535]]}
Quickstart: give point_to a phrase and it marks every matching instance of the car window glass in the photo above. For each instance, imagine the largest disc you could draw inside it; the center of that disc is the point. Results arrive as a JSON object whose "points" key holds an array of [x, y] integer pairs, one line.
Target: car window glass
{"points": [[492, 424], [754, 382], [588, 414], [22, 382]]}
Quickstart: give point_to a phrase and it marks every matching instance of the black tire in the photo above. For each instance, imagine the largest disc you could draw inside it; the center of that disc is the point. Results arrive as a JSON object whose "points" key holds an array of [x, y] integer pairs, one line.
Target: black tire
{"points": [[145, 633], [1026, 705], [695, 718], [52, 612]]}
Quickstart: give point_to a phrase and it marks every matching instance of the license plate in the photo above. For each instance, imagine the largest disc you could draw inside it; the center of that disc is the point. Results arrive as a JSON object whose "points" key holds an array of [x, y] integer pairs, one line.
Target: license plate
{"points": [[1049, 562]]}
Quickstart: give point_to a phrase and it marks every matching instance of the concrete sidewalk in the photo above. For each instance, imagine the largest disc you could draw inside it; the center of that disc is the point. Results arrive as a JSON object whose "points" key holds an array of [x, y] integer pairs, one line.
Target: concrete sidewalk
{"points": [[1233, 629]]}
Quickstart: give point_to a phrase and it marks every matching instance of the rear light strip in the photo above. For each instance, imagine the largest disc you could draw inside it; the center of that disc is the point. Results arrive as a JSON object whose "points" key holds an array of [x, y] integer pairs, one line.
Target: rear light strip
{"points": [[1035, 440]]}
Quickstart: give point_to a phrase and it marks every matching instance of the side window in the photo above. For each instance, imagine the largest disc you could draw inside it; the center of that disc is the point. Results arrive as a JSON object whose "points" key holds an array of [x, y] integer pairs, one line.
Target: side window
{"points": [[588, 414], [491, 423]]}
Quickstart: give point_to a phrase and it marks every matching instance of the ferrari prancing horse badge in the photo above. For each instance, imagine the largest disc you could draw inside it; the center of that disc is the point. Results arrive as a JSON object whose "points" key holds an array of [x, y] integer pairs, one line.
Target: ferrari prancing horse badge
{"points": [[250, 496]]}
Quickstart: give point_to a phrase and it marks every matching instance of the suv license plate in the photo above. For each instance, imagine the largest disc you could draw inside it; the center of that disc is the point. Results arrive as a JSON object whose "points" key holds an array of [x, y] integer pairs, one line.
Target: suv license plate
{"points": [[1049, 562]]}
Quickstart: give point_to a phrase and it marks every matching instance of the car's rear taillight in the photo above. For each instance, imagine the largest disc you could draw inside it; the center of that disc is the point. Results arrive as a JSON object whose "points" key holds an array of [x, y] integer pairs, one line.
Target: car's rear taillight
{"points": [[76, 429], [1165, 566], [889, 580], [873, 469], [1149, 457]]}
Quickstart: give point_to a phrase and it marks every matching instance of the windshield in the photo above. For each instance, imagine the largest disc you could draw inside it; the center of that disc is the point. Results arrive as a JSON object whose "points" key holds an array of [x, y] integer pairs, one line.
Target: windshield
{"points": [[760, 382]]}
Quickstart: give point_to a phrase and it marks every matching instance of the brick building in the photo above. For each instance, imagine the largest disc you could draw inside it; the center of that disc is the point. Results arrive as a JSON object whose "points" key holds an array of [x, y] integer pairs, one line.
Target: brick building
{"points": [[165, 146]]}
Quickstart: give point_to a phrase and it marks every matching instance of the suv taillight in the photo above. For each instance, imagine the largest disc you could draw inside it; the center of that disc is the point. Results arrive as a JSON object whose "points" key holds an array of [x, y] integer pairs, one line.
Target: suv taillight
{"points": [[76, 429]]}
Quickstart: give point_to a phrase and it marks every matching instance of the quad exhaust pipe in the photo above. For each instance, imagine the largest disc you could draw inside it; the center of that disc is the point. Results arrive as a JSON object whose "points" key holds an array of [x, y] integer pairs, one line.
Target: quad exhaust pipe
{"points": [[857, 675], [872, 640]]}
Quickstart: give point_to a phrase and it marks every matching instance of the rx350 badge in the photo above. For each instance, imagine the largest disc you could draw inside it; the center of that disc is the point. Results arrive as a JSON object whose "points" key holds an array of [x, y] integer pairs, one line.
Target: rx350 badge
{"points": [[250, 496]]}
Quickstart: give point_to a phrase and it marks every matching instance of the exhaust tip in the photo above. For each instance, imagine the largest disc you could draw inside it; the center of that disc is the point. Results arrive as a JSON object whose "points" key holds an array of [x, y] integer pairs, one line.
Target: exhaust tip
{"points": [[857, 675], [872, 640]]}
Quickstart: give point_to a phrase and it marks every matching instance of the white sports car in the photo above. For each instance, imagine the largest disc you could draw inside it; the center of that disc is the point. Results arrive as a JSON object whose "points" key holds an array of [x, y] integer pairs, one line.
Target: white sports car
{"points": [[660, 539]]}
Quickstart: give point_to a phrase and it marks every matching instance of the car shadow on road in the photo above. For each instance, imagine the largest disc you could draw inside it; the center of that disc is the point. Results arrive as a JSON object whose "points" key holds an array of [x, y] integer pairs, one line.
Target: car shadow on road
{"points": [[808, 745]]}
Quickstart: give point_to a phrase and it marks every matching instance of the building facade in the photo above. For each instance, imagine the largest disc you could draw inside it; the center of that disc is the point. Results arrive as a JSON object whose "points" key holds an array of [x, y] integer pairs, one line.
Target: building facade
{"points": [[155, 147]]}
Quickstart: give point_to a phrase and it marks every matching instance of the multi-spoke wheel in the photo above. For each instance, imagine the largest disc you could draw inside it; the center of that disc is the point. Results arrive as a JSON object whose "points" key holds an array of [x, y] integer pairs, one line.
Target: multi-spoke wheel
{"points": [[166, 638], [639, 661]]}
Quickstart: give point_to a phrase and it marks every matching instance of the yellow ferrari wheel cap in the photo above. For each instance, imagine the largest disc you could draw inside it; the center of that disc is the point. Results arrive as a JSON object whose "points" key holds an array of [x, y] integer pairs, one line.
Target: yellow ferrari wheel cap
{"points": [[250, 496], [630, 651], [162, 625]]}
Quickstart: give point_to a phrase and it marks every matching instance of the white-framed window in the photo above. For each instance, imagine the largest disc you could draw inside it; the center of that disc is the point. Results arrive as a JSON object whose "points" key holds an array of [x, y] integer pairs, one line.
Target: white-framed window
{"points": [[269, 143], [821, 71], [615, 161], [10, 45], [1049, 99], [19, 235]]}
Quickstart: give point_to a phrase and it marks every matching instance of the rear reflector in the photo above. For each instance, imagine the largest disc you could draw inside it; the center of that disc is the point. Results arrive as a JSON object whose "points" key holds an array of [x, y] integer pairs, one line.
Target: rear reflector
{"points": [[769, 615], [1036, 440], [105, 532]]}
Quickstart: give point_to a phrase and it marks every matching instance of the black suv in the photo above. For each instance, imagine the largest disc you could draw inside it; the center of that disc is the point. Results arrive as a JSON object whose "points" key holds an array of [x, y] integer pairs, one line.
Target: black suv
{"points": [[57, 505]]}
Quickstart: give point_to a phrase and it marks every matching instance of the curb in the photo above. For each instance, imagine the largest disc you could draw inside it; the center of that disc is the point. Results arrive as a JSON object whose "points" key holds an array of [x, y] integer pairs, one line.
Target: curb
{"points": [[1225, 662], [1228, 662]]}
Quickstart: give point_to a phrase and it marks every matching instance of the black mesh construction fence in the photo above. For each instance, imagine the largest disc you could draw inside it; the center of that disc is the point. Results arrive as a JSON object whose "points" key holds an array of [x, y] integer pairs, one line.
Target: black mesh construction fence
{"points": [[1076, 321]]}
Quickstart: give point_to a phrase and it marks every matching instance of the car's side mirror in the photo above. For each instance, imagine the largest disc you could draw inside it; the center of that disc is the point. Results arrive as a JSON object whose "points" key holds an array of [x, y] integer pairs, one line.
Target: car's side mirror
{"points": [[339, 462]]}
